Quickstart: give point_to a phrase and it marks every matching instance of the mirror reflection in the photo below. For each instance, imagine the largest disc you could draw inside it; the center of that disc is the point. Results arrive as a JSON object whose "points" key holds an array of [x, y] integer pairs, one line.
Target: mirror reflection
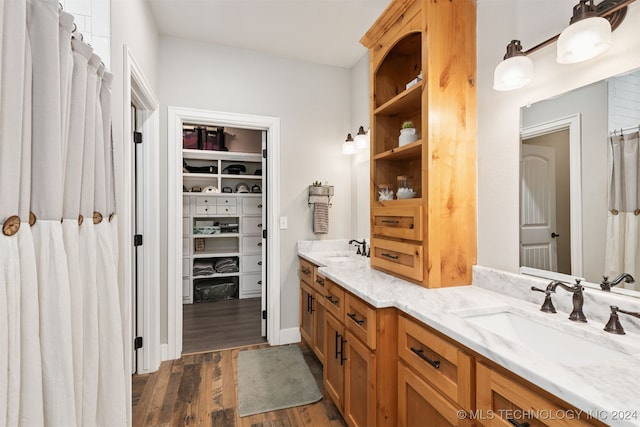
{"points": [[579, 196]]}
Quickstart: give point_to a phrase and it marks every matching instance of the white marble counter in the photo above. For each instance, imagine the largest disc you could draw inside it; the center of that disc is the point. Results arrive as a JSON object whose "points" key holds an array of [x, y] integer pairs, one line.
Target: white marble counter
{"points": [[604, 388]]}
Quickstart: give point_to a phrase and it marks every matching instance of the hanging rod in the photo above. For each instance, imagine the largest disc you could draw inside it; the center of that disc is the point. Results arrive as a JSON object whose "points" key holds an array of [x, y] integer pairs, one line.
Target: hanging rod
{"points": [[624, 130]]}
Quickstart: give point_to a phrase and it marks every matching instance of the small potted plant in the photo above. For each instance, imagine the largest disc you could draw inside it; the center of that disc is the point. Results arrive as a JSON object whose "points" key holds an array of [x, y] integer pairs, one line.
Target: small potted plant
{"points": [[407, 133]]}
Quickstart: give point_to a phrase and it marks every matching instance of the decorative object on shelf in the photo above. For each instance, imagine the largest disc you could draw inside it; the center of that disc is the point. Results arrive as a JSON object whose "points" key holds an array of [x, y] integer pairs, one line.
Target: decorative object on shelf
{"points": [[242, 188], [407, 134], [196, 189], [227, 190], [199, 244], [414, 81], [210, 189], [186, 168], [235, 169], [255, 188], [385, 192], [587, 36], [405, 187]]}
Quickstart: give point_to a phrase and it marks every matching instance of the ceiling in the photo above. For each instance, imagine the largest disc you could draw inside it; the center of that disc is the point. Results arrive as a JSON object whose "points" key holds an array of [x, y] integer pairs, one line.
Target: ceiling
{"points": [[321, 31]]}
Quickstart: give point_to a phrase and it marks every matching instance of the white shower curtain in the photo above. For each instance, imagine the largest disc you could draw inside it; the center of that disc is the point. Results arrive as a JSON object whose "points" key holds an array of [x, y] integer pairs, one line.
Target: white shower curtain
{"points": [[60, 319], [622, 253]]}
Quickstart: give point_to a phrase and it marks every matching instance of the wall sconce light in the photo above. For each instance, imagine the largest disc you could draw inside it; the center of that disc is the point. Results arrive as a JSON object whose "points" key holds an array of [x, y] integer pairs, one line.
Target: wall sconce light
{"points": [[348, 146], [587, 36], [362, 139], [353, 145]]}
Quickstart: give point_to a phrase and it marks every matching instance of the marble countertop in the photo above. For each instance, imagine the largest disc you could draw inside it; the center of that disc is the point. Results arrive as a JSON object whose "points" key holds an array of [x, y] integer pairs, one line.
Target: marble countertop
{"points": [[606, 389]]}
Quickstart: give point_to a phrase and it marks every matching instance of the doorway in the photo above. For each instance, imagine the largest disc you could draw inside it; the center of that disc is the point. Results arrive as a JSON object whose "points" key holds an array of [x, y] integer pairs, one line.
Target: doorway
{"points": [[177, 246]]}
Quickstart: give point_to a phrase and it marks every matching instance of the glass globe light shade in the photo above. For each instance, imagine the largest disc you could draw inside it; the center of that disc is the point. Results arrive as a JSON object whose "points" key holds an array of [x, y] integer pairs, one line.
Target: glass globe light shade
{"points": [[583, 40], [513, 73], [348, 147], [362, 139]]}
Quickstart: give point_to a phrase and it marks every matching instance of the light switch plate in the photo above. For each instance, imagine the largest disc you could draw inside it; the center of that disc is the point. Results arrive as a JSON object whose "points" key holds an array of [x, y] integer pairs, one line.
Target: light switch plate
{"points": [[284, 223]]}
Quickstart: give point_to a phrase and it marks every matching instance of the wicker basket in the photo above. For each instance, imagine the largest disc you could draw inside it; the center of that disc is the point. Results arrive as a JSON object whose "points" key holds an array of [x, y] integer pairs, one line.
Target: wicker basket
{"points": [[199, 244]]}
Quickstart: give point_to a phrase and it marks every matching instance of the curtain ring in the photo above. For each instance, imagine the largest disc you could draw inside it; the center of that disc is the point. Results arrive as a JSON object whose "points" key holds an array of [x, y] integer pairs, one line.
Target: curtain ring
{"points": [[614, 211], [80, 219], [636, 212], [111, 215], [32, 218], [97, 217]]}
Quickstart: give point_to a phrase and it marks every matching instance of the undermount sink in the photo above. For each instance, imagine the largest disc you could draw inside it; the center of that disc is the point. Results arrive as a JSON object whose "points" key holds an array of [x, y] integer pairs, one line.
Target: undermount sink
{"points": [[548, 341], [338, 258]]}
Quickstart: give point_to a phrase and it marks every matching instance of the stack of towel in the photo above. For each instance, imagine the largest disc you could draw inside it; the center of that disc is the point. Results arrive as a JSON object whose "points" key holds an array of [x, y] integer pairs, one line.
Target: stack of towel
{"points": [[226, 265], [202, 267]]}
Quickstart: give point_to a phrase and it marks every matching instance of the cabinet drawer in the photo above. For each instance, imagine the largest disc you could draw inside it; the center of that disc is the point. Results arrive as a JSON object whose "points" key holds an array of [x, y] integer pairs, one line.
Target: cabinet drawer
{"points": [[438, 360], [206, 210], [399, 222], [251, 283], [251, 244], [360, 319], [251, 206], [319, 282], [251, 225], [306, 271], [226, 209], [419, 404], [251, 263], [401, 258], [511, 399], [334, 300], [225, 201], [205, 201]]}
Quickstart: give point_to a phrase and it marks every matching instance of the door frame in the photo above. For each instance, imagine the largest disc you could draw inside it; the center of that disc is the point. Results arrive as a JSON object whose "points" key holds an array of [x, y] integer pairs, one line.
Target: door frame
{"points": [[138, 91], [176, 117], [573, 124]]}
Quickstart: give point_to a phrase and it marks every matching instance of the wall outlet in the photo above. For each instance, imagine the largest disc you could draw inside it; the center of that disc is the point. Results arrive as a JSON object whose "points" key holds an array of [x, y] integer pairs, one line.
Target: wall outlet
{"points": [[284, 223]]}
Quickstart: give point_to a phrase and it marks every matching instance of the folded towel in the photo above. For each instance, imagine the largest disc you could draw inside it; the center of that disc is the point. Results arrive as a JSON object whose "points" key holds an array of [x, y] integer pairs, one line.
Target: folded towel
{"points": [[320, 218]]}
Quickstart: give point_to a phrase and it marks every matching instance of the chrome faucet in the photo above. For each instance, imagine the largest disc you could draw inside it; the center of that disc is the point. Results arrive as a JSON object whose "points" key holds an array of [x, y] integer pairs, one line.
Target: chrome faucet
{"points": [[578, 299], [613, 326], [362, 250], [606, 285]]}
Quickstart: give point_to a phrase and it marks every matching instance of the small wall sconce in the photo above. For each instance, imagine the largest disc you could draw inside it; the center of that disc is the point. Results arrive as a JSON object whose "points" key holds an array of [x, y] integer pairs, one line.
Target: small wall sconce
{"points": [[587, 36], [361, 141]]}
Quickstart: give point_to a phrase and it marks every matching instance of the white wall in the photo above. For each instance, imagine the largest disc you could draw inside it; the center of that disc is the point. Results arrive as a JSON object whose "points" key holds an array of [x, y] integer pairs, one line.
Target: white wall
{"points": [[313, 103], [591, 102], [500, 21], [624, 96], [93, 21]]}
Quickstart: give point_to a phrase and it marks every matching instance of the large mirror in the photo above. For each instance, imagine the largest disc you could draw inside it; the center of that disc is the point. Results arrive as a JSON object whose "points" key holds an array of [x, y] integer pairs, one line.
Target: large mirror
{"points": [[576, 219]]}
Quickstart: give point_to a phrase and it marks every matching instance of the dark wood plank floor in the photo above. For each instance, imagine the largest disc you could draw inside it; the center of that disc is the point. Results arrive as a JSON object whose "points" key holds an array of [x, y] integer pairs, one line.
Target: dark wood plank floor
{"points": [[201, 390], [219, 325]]}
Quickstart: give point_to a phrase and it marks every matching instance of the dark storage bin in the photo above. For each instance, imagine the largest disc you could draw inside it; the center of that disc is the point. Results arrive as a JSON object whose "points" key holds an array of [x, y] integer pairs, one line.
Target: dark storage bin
{"points": [[216, 289], [213, 139], [190, 138]]}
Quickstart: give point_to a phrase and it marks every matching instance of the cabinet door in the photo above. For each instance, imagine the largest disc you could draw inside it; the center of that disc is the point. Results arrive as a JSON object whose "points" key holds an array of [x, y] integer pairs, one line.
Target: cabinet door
{"points": [[251, 205], [421, 405], [360, 383], [505, 402], [334, 360], [306, 313], [319, 316], [251, 225]]}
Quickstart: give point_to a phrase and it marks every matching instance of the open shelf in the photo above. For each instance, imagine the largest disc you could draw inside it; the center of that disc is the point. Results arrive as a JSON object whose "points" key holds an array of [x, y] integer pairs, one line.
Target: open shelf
{"points": [[409, 151], [405, 101], [220, 155]]}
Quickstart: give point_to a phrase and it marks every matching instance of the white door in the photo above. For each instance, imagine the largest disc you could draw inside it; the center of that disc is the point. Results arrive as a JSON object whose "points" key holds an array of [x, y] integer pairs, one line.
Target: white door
{"points": [[538, 208]]}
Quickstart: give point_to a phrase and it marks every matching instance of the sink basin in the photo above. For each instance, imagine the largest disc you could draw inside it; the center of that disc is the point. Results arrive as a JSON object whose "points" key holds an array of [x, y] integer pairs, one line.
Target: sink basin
{"points": [[551, 342], [338, 258]]}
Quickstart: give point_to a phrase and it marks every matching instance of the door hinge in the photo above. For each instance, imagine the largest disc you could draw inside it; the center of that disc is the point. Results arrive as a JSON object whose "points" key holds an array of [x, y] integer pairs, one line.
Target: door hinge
{"points": [[137, 137], [264, 234], [137, 343], [137, 240], [264, 314], [264, 153]]}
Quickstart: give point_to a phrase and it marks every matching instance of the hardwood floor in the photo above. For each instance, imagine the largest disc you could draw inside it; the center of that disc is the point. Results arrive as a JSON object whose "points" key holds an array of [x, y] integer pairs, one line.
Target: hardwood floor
{"points": [[218, 325], [200, 390]]}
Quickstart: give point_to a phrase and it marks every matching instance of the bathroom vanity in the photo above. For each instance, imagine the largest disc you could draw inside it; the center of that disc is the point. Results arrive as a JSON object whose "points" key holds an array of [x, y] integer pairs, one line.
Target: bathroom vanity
{"points": [[395, 353]]}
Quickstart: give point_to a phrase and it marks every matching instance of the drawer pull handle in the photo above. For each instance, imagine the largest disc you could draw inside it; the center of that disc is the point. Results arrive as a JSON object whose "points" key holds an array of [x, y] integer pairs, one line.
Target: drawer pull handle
{"points": [[260, 244], [420, 354], [260, 206], [517, 424], [389, 221], [259, 282], [388, 255], [320, 281], [259, 262], [259, 225], [353, 317], [306, 271], [332, 301]]}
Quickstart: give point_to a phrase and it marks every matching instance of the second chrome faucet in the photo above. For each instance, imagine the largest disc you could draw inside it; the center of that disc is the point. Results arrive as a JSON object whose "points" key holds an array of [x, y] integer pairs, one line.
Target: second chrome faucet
{"points": [[578, 299]]}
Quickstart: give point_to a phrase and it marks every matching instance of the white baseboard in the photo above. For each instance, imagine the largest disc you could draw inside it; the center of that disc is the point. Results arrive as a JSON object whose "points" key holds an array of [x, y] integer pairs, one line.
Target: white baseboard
{"points": [[289, 336]]}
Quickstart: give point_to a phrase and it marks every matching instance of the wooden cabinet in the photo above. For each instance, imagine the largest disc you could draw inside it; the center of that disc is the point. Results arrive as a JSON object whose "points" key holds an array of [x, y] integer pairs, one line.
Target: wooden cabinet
{"points": [[360, 358], [312, 308], [429, 239], [306, 312], [504, 400], [435, 377]]}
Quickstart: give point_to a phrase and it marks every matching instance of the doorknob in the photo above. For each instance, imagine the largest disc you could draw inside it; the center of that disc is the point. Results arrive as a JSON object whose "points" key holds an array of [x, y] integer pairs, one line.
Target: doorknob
{"points": [[554, 235]]}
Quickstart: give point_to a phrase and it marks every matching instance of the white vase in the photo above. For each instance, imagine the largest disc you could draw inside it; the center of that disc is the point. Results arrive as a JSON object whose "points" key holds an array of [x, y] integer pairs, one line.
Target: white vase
{"points": [[407, 136]]}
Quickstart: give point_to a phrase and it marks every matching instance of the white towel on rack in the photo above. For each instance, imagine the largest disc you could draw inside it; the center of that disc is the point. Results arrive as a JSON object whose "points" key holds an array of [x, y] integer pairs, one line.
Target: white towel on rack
{"points": [[320, 218]]}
